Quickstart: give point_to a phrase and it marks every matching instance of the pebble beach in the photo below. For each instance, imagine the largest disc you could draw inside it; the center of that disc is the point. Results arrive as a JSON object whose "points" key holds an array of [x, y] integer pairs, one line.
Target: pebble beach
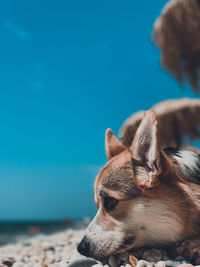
{"points": [[59, 250]]}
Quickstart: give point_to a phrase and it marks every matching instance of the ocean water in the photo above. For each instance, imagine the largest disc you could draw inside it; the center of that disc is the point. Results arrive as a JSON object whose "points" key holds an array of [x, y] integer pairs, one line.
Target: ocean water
{"points": [[69, 70], [13, 232]]}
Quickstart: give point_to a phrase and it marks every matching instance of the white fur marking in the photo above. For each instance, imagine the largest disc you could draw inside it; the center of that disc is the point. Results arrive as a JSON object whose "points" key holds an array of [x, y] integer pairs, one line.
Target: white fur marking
{"points": [[187, 159], [106, 241]]}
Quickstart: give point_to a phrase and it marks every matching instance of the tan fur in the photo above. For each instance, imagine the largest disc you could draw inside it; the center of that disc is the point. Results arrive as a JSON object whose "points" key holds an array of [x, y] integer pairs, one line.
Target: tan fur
{"points": [[171, 193], [113, 146], [155, 206], [148, 127]]}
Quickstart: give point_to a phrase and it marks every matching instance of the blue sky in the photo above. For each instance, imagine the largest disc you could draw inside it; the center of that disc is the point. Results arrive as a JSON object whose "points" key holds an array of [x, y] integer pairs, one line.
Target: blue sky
{"points": [[69, 70]]}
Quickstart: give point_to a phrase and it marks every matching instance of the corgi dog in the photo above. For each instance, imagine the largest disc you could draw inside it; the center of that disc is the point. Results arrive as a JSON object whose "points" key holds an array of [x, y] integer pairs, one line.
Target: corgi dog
{"points": [[146, 196]]}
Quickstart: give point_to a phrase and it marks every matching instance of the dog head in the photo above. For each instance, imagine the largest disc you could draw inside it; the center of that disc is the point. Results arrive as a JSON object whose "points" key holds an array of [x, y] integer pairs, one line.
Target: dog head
{"points": [[137, 197]]}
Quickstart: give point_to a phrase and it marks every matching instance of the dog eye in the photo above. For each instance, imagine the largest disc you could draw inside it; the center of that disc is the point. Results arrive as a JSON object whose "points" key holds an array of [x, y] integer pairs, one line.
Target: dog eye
{"points": [[110, 203]]}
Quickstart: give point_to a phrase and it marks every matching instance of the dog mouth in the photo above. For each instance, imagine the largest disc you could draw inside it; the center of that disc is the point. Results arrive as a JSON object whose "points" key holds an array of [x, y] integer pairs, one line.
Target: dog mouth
{"points": [[127, 244], [88, 248]]}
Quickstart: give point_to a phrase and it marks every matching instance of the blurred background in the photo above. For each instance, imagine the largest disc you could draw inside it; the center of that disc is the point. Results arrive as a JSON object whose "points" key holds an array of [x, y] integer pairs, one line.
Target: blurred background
{"points": [[69, 69]]}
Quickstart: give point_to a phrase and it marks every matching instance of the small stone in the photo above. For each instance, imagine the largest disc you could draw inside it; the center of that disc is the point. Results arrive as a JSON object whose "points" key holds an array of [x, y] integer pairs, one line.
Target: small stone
{"points": [[133, 260], [26, 244], [51, 248], [124, 256], [112, 262], [88, 262], [171, 263], [179, 258], [174, 263], [97, 265], [8, 263], [140, 252], [165, 258], [17, 264], [143, 263], [152, 255], [160, 264]]}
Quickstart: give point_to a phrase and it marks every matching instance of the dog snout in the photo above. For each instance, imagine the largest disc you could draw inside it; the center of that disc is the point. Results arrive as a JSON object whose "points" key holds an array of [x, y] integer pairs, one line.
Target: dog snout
{"points": [[84, 247]]}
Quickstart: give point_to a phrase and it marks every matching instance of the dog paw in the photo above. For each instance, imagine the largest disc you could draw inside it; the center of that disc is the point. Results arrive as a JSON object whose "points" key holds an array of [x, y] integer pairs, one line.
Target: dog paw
{"points": [[190, 250]]}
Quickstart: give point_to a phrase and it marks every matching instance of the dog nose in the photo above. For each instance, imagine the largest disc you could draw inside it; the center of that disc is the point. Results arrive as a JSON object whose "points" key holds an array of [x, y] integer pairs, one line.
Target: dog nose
{"points": [[84, 247]]}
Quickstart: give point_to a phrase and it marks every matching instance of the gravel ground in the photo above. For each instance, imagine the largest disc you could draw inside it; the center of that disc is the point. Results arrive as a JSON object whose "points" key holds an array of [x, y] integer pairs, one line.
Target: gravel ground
{"points": [[59, 249], [53, 250]]}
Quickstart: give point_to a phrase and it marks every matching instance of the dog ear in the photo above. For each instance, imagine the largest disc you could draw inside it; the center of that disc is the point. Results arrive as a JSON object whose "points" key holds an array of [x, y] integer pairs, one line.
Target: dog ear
{"points": [[145, 152], [113, 145]]}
